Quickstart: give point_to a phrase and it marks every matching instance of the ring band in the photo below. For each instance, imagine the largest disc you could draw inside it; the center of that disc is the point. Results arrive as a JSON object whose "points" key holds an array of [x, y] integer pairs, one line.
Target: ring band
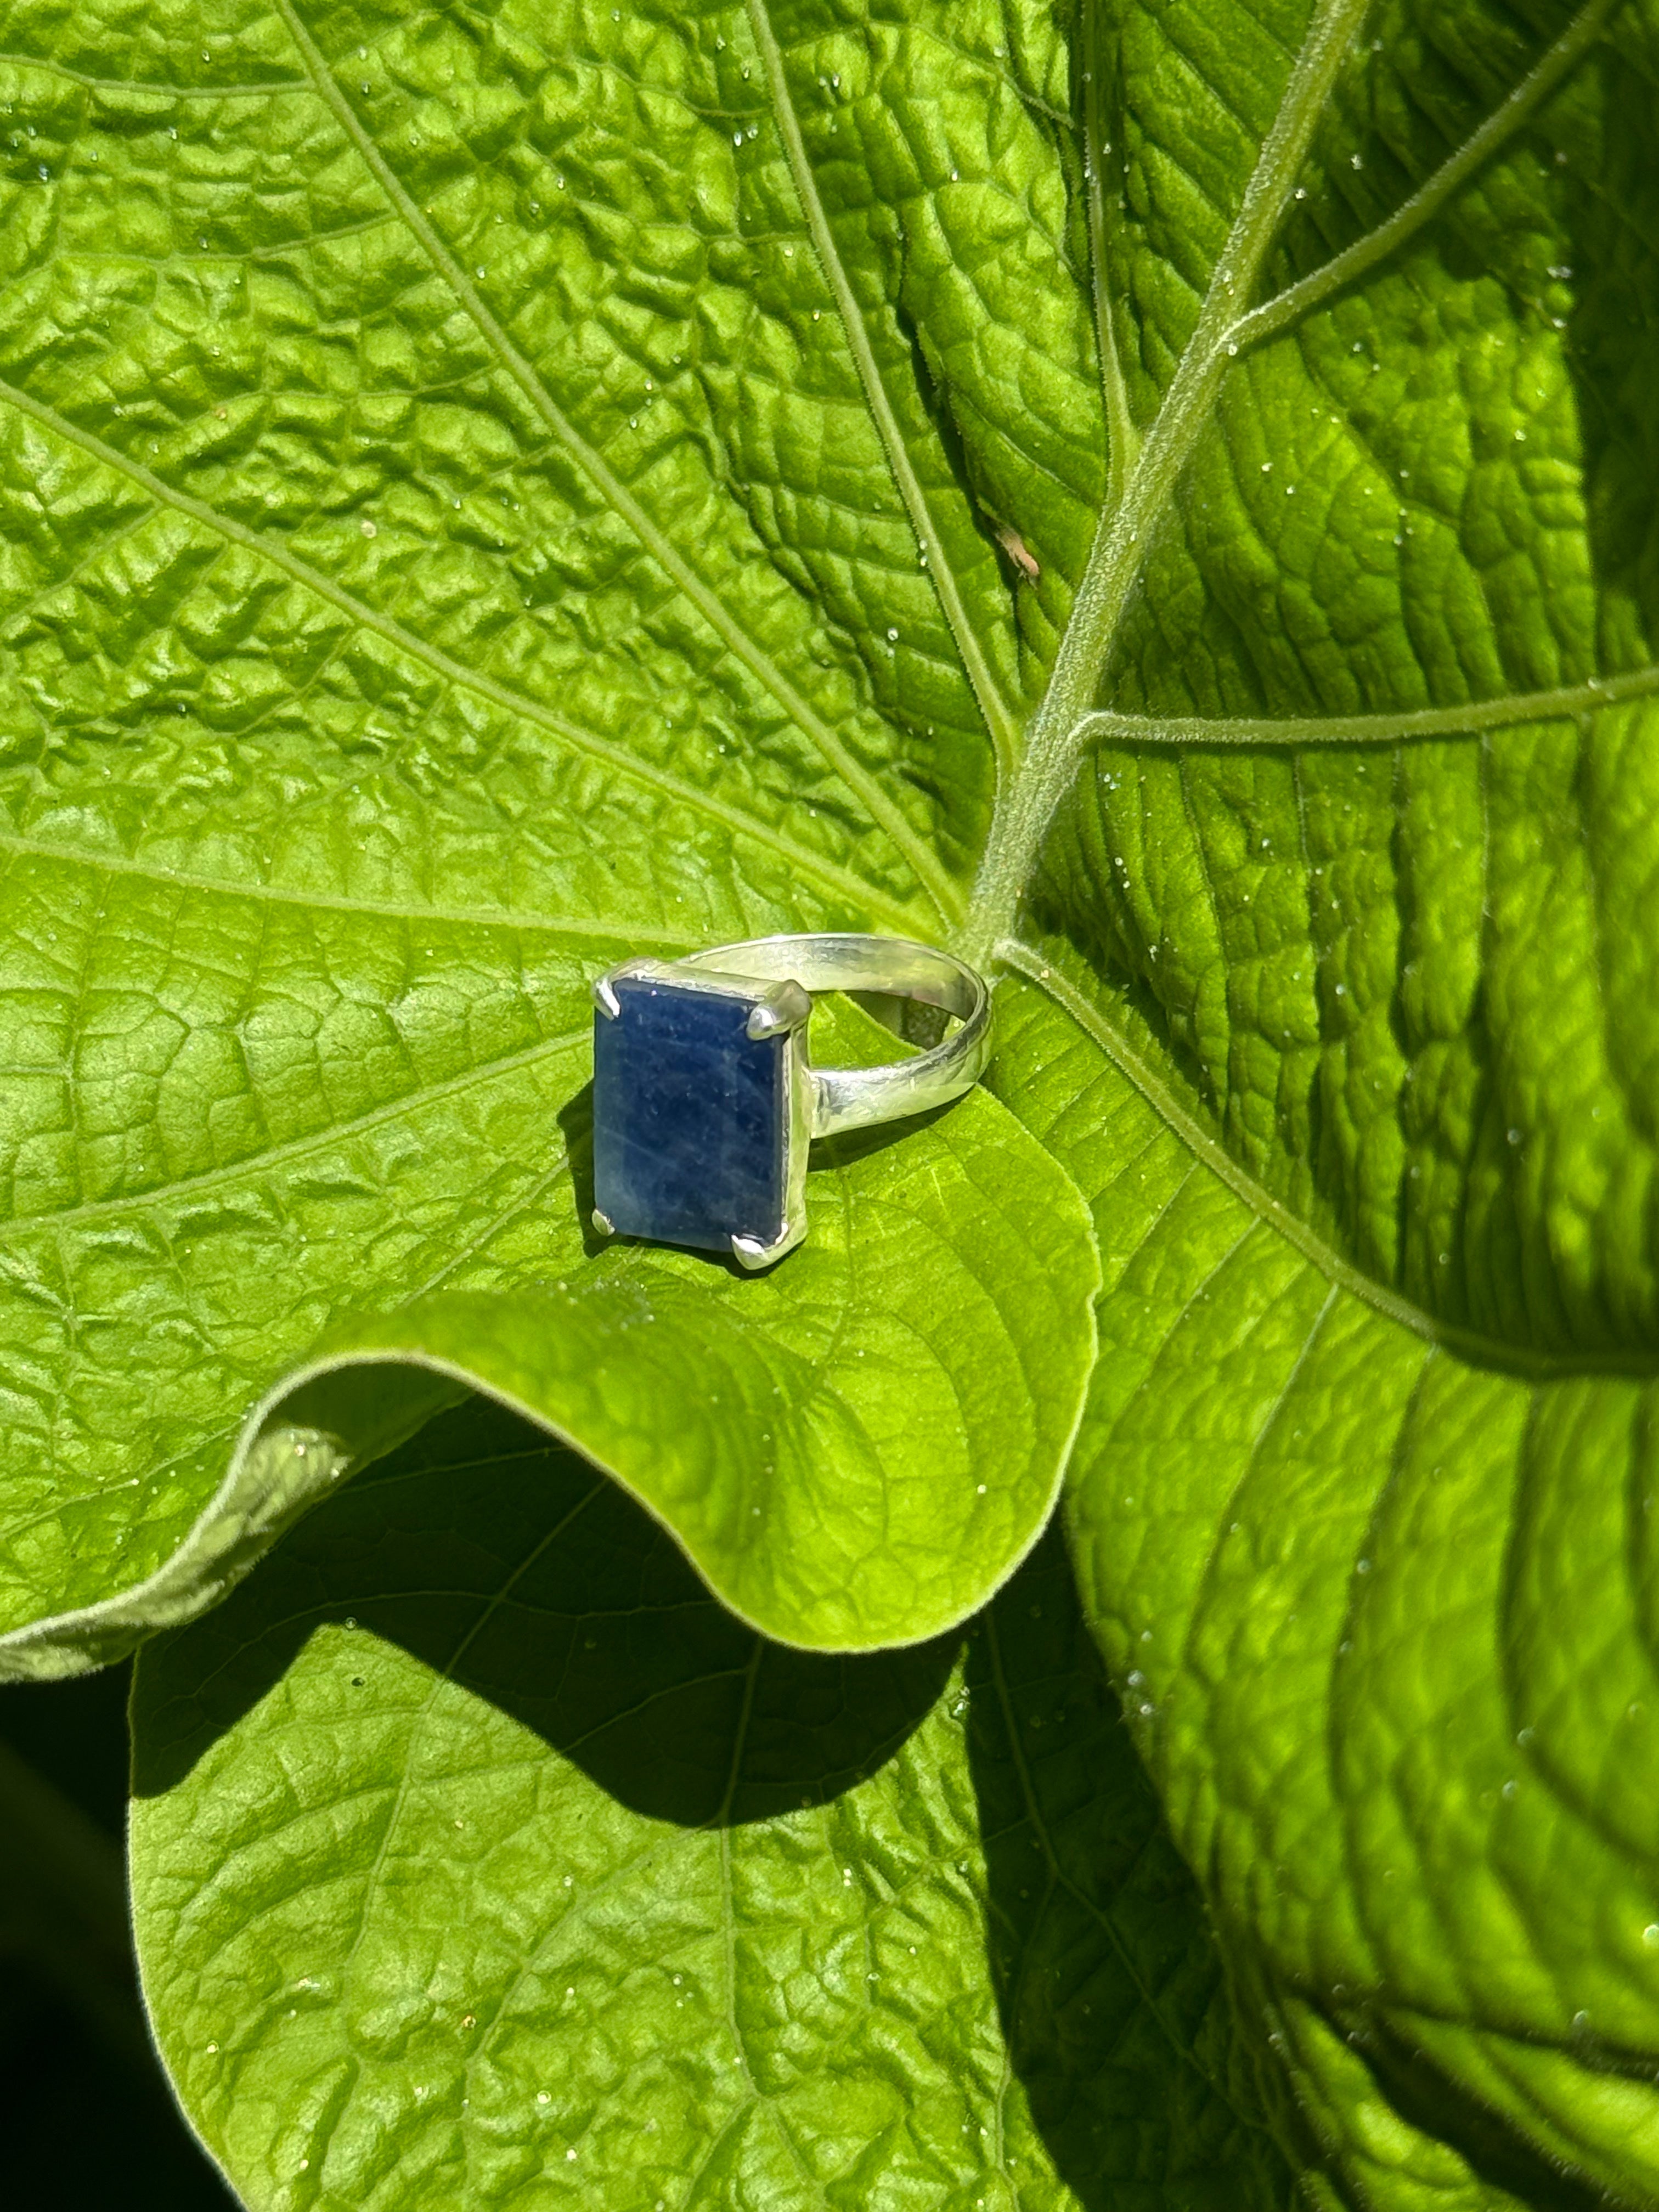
{"points": [[855, 1098], [705, 1100]]}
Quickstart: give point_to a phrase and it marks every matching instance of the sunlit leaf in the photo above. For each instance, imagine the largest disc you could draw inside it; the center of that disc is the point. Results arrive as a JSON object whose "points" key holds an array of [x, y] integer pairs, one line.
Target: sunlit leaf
{"points": [[1159, 496]]}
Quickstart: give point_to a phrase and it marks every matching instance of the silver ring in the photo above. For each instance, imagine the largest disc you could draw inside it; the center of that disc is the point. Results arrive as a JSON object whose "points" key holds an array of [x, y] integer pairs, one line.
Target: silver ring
{"points": [[705, 1100]]}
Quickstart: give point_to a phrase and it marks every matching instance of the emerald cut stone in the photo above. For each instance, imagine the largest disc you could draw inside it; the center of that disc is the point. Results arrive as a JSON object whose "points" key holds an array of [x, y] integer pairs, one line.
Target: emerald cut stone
{"points": [[691, 1118]]}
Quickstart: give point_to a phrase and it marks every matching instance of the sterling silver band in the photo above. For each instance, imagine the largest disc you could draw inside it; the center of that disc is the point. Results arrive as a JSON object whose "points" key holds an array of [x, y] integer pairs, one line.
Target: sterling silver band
{"points": [[855, 1098]]}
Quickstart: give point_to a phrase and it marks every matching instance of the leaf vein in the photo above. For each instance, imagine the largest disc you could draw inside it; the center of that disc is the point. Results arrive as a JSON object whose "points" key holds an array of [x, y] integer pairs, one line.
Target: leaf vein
{"points": [[1182, 2049], [344, 902], [1000, 720], [1467, 1344], [51, 66], [182, 1187], [929, 870], [1299, 298], [1509, 711], [1122, 539], [1122, 438], [515, 702]]}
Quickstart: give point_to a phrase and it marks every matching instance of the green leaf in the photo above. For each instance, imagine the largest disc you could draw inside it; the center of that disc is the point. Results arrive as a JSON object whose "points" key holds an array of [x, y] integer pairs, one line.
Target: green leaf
{"points": [[819, 1440], [1160, 496], [1354, 1057], [1385, 1613], [388, 651], [480, 1855]]}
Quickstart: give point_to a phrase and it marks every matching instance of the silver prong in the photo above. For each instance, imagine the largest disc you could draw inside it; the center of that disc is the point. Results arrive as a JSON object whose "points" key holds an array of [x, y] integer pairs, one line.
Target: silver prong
{"points": [[603, 1223], [750, 1252], [605, 999], [784, 1006]]}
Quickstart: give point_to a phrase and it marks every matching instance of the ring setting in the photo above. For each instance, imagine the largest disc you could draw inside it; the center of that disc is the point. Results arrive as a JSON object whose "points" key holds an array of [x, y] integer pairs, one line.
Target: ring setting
{"points": [[705, 1097]]}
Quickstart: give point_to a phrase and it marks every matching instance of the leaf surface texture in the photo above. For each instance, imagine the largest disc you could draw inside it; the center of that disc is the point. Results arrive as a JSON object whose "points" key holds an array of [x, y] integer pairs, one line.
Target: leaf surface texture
{"points": [[1159, 496]]}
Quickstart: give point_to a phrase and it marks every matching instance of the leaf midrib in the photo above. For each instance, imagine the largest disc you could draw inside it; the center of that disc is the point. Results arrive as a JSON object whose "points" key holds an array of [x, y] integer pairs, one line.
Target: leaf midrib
{"points": [[1117, 557], [1063, 724]]}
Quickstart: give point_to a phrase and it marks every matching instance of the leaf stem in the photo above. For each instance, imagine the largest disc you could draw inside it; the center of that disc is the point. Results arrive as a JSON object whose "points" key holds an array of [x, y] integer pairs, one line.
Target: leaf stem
{"points": [[1115, 564]]}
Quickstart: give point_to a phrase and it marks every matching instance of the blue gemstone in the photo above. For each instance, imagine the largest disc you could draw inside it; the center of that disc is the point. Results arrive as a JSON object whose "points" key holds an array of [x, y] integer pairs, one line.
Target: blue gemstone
{"points": [[690, 1118]]}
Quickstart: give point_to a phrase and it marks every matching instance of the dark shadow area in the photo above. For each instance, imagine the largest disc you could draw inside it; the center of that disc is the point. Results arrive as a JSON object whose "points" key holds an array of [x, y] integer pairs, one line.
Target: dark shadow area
{"points": [[1106, 1973], [510, 1565], [84, 2129], [1599, 138], [74, 1735], [86, 2113], [575, 1121]]}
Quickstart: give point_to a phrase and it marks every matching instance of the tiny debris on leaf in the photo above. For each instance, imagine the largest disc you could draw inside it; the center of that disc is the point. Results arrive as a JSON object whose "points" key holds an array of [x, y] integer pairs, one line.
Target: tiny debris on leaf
{"points": [[1014, 546]]}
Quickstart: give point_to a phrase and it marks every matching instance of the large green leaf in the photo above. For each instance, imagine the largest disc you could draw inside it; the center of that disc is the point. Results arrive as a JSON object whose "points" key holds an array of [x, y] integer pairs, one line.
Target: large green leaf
{"points": [[818, 1440], [482, 1858], [387, 653], [1358, 1059], [1161, 493]]}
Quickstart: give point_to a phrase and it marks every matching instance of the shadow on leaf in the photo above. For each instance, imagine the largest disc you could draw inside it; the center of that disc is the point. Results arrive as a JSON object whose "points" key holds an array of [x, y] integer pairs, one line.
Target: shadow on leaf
{"points": [[1107, 1975], [511, 1567], [1599, 139]]}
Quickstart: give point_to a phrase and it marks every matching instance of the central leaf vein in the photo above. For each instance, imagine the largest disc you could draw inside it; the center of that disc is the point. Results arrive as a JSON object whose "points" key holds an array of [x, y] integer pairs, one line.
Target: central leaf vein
{"points": [[1120, 548]]}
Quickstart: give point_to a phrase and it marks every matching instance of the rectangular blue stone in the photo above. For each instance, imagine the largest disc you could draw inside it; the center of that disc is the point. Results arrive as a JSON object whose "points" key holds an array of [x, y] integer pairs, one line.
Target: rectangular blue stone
{"points": [[691, 1119]]}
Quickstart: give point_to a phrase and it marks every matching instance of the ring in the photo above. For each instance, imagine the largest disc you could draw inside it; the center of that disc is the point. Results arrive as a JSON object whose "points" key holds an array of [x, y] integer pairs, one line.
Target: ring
{"points": [[705, 1100]]}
